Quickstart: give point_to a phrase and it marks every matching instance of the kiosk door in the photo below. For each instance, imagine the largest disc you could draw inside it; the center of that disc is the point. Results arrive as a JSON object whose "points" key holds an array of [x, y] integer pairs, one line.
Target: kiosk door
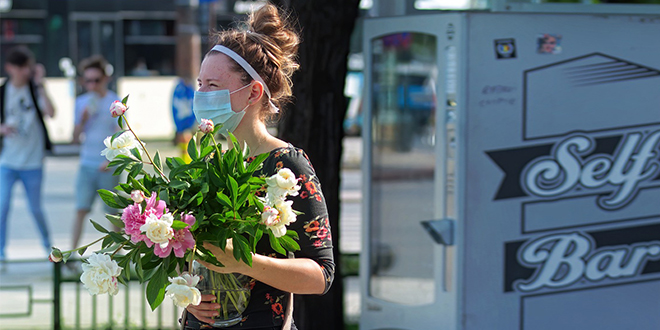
{"points": [[402, 265]]}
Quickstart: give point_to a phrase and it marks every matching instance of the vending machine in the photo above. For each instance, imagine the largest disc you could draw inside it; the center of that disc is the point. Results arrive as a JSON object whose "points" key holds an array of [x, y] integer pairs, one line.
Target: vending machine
{"points": [[511, 172]]}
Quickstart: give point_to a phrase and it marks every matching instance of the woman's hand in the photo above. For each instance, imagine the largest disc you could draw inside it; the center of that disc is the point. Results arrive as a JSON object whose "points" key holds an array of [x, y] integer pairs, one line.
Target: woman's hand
{"points": [[206, 310], [226, 257]]}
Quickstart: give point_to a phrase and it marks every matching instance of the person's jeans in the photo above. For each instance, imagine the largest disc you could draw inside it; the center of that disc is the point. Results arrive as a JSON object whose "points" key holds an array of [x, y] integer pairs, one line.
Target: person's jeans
{"points": [[32, 182]]}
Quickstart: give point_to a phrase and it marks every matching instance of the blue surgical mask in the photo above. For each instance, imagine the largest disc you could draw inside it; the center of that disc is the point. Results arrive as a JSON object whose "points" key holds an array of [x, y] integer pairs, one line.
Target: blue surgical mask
{"points": [[216, 106]]}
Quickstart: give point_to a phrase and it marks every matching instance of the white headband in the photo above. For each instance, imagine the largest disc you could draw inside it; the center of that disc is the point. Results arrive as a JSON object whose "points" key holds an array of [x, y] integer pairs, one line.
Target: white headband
{"points": [[247, 67]]}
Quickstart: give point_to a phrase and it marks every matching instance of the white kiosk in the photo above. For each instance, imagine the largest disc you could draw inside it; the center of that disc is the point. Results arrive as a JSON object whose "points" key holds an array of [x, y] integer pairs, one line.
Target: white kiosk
{"points": [[512, 169]]}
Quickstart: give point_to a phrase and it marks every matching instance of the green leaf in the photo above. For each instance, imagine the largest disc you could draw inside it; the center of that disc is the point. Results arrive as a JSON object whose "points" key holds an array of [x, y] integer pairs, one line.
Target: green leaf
{"points": [[275, 243], [135, 170], [244, 193], [125, 99], [242, 249], [196, 200], [257, 162], [139, 271], [136, 153], [176, 225], [120, 122], [293, 234], [106, 242], [116, 135], [164, 196], [157, 160], [256, 238], [178, 184], [233, 189], [156, 288], [98, 227], [116, 237], [110, 199], [206, 151], [223, 199], [174, 162], [288, 243], [192, 149], [138, 185]]}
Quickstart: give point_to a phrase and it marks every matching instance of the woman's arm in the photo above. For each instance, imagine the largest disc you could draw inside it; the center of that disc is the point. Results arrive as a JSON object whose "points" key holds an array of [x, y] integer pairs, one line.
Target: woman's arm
{"points": [[298, 276]]}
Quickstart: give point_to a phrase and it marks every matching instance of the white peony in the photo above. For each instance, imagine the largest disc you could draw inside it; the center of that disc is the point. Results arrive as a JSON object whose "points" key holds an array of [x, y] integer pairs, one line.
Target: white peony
{"points": [[281, 184], [159, 230], [138, 196], [287, 215], [183, 291], [117, 109], [270, 216], [100, 274], [122, 145], [206, 126], [284, 217]]}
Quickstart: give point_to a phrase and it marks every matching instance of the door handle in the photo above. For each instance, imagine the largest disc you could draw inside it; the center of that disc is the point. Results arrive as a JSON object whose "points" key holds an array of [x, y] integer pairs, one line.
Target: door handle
{"points": [[442, 231]]}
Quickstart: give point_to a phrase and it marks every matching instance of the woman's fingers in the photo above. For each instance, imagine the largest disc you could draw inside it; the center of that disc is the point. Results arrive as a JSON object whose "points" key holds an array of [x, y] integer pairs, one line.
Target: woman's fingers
{"points": [[208, 298], [206, 310]]}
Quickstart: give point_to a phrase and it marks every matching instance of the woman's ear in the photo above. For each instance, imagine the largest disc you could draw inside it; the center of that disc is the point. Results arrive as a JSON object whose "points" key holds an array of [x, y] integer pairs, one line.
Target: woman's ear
{"points": [[256, 92]]}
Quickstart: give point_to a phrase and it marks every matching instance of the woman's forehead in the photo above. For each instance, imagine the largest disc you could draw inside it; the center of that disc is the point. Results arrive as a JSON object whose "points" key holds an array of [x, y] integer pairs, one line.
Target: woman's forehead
{"points": [[218, 67]]}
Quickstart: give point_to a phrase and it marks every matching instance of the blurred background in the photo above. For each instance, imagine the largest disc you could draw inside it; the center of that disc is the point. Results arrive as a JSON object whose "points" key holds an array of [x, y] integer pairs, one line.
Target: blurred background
{"points": [[150, 44]]}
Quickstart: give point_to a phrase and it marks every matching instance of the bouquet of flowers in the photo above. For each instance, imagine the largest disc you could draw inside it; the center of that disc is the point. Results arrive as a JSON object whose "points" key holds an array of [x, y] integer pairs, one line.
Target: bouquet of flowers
{"points": [[165, 219]]}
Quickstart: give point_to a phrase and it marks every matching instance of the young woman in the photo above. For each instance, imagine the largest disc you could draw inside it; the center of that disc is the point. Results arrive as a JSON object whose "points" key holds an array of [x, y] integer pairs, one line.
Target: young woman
{"points": [[242, 80]]}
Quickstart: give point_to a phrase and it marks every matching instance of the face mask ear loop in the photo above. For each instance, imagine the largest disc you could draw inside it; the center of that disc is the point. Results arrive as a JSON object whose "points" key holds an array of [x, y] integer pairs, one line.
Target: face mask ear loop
{"points": [[250, 84]]}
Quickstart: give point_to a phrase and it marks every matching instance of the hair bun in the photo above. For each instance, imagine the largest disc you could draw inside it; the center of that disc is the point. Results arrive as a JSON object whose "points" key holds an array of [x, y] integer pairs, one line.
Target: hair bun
{"points": [[279, 38]]}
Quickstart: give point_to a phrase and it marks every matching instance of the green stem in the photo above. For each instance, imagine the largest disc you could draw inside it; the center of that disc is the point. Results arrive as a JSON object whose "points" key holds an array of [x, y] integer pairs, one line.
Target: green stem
{"points": [[145, 151], [85, 246], [215, 145], [119, 248]]}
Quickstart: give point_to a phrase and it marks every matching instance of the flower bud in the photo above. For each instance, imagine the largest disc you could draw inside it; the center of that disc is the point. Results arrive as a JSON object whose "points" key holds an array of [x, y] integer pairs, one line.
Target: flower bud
{"points": [[55, 255], [117, 109], [137, 196], [206, 126]]}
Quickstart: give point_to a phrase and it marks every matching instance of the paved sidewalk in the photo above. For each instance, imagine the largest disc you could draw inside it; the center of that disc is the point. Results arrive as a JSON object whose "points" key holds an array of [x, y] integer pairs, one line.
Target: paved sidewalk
{"points": [[58, 197]]}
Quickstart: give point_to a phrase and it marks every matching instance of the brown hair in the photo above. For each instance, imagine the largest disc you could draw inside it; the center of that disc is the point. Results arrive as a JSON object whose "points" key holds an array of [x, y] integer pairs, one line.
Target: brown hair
{"points": [[94, 62], [268, 42], [20, 56]]}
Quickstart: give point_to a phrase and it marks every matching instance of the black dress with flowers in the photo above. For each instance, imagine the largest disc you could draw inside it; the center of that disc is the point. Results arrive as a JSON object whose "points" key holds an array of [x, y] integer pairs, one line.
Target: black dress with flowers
{"points": [[266, 307]]}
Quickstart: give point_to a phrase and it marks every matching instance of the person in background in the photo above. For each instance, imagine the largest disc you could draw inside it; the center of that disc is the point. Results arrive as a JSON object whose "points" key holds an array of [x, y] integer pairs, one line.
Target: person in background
{"points": [[23, 138], [184, 118], [93, 124]]}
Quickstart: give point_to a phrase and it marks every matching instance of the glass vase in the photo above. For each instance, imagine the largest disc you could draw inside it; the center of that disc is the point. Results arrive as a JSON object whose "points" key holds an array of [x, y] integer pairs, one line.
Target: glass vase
{"points": [[232, 292]]}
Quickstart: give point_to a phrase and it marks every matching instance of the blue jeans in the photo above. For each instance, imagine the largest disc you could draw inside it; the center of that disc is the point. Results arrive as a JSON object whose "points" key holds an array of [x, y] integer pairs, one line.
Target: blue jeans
{"points": [[32, 182]]}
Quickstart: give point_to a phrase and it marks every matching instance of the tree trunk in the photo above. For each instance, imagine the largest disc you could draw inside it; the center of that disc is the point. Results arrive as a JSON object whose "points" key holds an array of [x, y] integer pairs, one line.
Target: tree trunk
{"points": [[314, 122]]}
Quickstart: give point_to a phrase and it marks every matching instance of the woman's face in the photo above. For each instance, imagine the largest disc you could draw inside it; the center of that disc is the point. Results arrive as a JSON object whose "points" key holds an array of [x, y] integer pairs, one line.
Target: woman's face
{"points": [[216, 74]]}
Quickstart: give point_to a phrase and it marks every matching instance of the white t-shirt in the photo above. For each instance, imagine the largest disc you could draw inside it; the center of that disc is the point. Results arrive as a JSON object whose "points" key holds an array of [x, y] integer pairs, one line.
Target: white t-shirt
{"points": [[99, 125], [25, 149]]}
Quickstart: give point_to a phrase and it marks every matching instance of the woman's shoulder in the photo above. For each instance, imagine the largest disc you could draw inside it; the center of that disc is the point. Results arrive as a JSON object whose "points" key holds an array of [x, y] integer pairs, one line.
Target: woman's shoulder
{"points": [[290, 157]]}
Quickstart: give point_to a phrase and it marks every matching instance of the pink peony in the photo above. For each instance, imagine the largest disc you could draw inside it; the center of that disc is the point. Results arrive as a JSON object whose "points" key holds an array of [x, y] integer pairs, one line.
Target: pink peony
{"points": [[117, 109], [182, 240], [134, 218]]}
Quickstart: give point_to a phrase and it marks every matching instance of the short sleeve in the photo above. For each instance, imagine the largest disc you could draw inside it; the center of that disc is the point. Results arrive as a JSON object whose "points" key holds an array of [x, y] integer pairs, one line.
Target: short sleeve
{"points": [[81, 101], [313, 225]]}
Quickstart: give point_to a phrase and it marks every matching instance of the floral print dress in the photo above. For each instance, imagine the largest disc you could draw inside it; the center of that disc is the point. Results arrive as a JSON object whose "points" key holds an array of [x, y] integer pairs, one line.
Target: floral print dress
{"points": [[267, 304]]}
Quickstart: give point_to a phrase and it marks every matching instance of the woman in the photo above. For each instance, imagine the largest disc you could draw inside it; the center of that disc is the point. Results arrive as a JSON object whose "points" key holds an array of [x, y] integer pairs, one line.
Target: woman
{"points": [[251, 69]]}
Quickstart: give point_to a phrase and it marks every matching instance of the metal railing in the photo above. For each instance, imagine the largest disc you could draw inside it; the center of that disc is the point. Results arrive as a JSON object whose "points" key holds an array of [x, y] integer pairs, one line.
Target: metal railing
{"points": [[73, 307]]}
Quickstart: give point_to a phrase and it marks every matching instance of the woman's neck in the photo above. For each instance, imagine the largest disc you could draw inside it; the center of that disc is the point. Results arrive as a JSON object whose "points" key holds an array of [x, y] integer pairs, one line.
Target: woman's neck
{"points": [[257, 138]]}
